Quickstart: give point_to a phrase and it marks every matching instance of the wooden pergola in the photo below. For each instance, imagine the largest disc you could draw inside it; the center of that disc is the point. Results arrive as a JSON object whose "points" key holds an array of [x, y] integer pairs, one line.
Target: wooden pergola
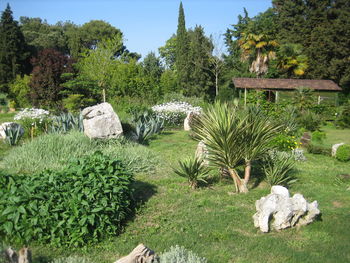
{"points": [[276, 85]]}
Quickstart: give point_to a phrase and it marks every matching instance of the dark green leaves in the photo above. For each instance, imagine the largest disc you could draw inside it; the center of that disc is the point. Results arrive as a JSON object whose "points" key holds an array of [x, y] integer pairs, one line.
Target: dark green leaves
{"points": [[84, 202]]}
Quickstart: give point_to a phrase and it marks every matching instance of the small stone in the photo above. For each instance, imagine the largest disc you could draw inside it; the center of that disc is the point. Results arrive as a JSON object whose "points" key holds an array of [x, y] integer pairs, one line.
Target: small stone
{"points": [[140, 254]]}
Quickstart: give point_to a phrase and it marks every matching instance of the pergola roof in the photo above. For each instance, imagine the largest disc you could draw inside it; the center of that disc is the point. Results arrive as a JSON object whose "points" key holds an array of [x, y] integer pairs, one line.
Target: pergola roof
{"points": [[285, 84]]}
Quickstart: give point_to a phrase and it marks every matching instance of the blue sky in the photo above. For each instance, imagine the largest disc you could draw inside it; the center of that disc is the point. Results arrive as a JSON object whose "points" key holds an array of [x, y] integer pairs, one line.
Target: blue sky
{"points": [[146, 24]]}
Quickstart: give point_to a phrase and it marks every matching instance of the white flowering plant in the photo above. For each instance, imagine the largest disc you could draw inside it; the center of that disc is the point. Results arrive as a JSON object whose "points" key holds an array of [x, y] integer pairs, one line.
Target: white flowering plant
{"points": [[174, 113], [34, 120]]}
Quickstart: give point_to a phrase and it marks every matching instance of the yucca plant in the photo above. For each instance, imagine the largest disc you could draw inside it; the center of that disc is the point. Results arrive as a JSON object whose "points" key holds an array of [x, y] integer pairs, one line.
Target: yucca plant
{"points": [[277, 167], [258, 133], [220, 128], [13, 134], [194, 170]]}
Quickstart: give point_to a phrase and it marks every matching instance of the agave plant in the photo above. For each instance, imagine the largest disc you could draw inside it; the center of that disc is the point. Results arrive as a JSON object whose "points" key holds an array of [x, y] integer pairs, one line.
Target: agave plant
{"points": [[146, 126], [13, 134], [65, 122], [194, 170]]}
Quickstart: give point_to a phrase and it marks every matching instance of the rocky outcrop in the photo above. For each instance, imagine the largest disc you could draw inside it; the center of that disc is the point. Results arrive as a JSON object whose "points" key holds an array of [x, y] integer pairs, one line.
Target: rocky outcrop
{"points": [[10, 125], [140, 254], [100, 121], [286, 211]]}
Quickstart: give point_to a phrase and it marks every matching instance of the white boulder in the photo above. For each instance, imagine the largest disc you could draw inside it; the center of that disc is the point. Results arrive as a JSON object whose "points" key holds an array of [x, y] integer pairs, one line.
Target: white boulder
{"points": [[285, 210], [100, 121], [335, 148]]}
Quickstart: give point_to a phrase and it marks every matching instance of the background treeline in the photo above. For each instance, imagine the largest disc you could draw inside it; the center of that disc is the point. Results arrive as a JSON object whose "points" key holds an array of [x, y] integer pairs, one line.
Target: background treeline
{"points": [[69, 66]]}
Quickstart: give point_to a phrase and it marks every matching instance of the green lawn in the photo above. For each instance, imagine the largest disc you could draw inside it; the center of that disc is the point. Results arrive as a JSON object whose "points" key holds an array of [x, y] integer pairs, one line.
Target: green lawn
{"points": [[217, 224]]}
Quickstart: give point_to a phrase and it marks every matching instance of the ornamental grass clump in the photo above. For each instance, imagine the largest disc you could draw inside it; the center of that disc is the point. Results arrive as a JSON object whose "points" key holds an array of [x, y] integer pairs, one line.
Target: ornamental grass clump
{"points": [[173, 113], [83, 203], [177, 254]]}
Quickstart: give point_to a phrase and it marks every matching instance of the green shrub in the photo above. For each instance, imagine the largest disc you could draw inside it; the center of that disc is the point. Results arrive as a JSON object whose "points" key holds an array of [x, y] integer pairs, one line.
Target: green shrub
{"points": [[310, 121], [277, 167], [318, 136], [343, 153], [343, 121], [180, 255], [193, 169], [284, 142], [317, 149], [87, 200]]}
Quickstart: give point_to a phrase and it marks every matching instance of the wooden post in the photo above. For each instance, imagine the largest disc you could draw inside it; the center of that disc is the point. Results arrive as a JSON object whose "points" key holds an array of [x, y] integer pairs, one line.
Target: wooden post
{"points": [[276, 97], [245, 97], [319, 100]]}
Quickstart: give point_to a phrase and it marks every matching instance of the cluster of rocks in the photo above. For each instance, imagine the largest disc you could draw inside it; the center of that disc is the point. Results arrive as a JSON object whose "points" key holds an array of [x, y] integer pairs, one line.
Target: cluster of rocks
{"points": [[286, 211]]}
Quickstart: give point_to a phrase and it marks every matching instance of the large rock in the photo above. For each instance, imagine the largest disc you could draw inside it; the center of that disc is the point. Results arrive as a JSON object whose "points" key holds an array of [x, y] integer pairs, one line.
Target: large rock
{"points": [[335, 148], [100, 121], [190, 118], [140, 254], [11, 125], [202, 152], [286, 211]]}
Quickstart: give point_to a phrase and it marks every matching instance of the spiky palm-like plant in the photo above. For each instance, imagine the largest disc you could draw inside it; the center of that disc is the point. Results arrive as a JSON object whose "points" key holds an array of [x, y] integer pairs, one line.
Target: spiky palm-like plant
{"points": [[220, 128], [258, 133]]}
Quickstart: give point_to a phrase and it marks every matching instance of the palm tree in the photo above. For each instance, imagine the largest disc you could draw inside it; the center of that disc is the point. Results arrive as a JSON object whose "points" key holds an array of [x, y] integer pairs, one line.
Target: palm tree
{"points": [[221, 131], [291, 60], [259, 50], [258, 133]]}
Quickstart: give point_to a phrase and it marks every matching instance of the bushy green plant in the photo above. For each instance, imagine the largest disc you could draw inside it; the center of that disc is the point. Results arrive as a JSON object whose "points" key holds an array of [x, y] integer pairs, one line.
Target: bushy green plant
{"points": [[177, 254], [193, 169], [310, 121], [72, 259], [318, 136], [343, 153], [84, 202], [343, 120], [318, 149], [277, 167], [283, 142], [13, 134]]}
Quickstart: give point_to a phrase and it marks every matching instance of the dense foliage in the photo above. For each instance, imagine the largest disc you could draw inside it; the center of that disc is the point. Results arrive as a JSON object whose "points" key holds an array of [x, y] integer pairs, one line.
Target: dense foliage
{"points": [[343, 153], [87, 200]]}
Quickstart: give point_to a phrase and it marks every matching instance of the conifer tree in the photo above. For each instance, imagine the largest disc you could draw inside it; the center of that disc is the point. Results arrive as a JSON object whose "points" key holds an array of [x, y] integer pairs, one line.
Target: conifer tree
{"points": [[12, 49], [182, 48]]}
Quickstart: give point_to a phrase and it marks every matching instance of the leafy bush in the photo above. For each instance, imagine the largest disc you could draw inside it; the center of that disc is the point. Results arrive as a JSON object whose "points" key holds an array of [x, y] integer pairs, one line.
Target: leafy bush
{"points": [[72, 259], [318, 136], [194, 170], [343, 153], [179, 254], [318, 149], [277, 167], [310, 121], [84, 202], [343, 121], [283, 142]]}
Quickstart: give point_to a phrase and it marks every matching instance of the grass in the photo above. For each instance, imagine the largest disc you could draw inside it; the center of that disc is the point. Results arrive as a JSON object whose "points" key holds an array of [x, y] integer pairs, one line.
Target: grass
{"points": [[336, 135], [217, 224]]}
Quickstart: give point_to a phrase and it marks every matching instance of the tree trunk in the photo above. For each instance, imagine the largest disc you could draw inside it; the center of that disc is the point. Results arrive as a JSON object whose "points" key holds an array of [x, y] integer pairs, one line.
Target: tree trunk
{"points": [[241, 186], [247, 169]]}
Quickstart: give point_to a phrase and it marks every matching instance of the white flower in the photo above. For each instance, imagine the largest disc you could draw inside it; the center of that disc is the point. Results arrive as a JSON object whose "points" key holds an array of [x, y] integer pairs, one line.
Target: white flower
{"points": [[37, 114]]}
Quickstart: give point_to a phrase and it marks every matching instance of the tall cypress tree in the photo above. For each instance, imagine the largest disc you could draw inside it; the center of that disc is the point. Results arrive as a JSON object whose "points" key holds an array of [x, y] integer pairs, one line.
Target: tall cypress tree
{"points": [[182, 49], [13, 53]]}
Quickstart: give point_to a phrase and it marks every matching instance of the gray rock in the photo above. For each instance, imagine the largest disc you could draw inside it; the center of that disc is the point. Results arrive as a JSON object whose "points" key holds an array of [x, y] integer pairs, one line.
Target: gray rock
{"points": [[286, 211], [335, 148], [189, 120], [5, 125], [202, 152], [100, 121]]}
